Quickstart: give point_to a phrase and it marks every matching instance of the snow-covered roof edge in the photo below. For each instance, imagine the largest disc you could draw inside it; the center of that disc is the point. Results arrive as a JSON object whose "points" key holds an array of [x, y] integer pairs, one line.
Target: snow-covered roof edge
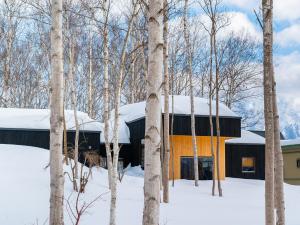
{"points": [[247, 138], [39, 119], [290, 142], [135, 111]]}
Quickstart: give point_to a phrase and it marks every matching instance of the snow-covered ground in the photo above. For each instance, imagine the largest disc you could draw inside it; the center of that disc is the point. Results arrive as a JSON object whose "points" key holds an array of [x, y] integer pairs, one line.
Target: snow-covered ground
{"points": [[24, 200]]}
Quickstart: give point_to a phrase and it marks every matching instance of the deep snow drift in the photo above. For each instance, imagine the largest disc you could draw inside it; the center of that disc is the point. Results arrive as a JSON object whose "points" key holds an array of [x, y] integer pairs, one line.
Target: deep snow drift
{"points": [[25, 196]]}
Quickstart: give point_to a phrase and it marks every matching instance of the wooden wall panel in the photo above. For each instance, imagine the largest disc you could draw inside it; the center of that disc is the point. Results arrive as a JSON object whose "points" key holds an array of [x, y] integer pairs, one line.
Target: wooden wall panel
{"points": [[183, 147]]}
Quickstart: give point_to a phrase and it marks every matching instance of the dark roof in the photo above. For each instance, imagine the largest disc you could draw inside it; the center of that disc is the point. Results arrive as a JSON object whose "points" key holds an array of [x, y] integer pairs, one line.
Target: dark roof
{"points": [[262, 133]]}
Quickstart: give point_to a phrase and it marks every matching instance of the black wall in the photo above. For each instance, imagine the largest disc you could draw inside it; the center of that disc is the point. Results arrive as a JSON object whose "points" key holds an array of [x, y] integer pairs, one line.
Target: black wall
{"points": [[126, 153], [88, 140], [229, 126], [234, 154]]}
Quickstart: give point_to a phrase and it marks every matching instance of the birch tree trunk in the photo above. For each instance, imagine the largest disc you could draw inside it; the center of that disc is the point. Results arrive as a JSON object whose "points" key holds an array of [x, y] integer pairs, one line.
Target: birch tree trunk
{"points": [[56, 117], [72, 83], [189, 56], [279, 179], [217, 111], [90, 80], [268, 110], [210, 111], [153, 114], [132, 79], [106, 93], [166, 136], [7, 61], [116, 149]]}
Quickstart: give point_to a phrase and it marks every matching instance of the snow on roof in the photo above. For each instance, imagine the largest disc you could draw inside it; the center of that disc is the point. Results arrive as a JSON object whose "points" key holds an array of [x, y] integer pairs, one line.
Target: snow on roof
{"points": [[182, 106], [124, 133], [247, 137], [40, 119], [290, 142]]}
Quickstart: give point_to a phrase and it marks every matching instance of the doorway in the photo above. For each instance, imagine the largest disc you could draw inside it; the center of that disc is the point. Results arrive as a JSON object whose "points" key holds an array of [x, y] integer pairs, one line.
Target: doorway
{"points": [[204, 168]]}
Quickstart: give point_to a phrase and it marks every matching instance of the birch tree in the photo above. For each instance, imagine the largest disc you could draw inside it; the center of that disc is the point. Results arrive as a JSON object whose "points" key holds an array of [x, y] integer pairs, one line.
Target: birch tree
{"points": [[116, 148], [153, 114], [56, 117], [279, 179], [190, 75], [166, 126], [106, 90], [267, 13]]}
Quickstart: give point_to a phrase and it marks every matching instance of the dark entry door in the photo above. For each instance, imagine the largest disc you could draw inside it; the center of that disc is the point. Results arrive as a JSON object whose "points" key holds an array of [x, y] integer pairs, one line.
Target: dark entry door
{"points": [[204, 168]]}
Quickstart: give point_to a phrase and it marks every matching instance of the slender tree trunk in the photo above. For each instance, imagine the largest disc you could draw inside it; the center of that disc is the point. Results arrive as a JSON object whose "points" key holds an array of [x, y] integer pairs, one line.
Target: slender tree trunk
{"points": [[66, 159], [279, 179], [106, 94], [153, 114], [268, 110], [56, 117], [190, 74], [132, 79], [217, 113], [210, 112], [166, 136], [72, 83], [172, 135], [90, 80], [6, 73], [116, 149]]}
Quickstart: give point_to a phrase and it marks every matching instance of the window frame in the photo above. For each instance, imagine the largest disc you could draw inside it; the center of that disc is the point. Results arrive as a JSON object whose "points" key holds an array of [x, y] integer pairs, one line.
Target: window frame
{"points": [[254, 165], [298, 163]]}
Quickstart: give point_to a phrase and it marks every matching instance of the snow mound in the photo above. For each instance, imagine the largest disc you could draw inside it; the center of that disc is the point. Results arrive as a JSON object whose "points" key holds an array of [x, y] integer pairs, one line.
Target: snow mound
{"points": [[25, 196], [247, 137], [40, 119], [135, 171]]}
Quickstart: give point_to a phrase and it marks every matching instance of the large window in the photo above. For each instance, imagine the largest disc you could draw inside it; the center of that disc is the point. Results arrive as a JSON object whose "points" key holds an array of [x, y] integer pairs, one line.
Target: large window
{"points": [[248, 165], [298, 163]]}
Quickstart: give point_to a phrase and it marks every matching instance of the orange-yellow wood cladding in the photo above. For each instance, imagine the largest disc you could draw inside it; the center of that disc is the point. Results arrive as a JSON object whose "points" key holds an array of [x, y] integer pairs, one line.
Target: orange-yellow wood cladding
{"points": [[183, 147]]}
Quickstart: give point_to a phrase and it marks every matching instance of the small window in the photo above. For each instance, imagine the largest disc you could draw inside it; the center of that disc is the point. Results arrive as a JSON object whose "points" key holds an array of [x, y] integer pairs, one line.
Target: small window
{"points": [[248, 165], [298, 163]]}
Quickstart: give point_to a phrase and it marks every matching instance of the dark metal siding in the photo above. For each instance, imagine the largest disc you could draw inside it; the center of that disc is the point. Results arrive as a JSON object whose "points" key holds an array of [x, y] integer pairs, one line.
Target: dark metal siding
{"points": [[229, 126], [40, 138], [235, 153], [125, 153]]}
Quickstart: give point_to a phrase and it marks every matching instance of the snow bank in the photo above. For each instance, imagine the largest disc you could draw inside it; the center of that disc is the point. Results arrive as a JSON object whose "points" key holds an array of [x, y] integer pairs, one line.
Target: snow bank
{"points": [[25, 196], [182, 106], [40, 119], [290, 142], [247, 137]]}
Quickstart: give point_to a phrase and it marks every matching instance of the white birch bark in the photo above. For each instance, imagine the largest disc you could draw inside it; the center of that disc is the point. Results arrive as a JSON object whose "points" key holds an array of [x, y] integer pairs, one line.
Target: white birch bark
{"points": [[56, 117], [166, 157], [190, 74], [7, 61], [106, 93], [217, 113], [268, 111], [116, 149], [153, 114], [279, 179], [210, 110], [72, 83], [90, 79]]}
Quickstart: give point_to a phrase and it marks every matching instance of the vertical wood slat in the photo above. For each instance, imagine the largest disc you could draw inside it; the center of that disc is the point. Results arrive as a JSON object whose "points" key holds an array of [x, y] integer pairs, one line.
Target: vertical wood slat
{"points": [[183, 147]]}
